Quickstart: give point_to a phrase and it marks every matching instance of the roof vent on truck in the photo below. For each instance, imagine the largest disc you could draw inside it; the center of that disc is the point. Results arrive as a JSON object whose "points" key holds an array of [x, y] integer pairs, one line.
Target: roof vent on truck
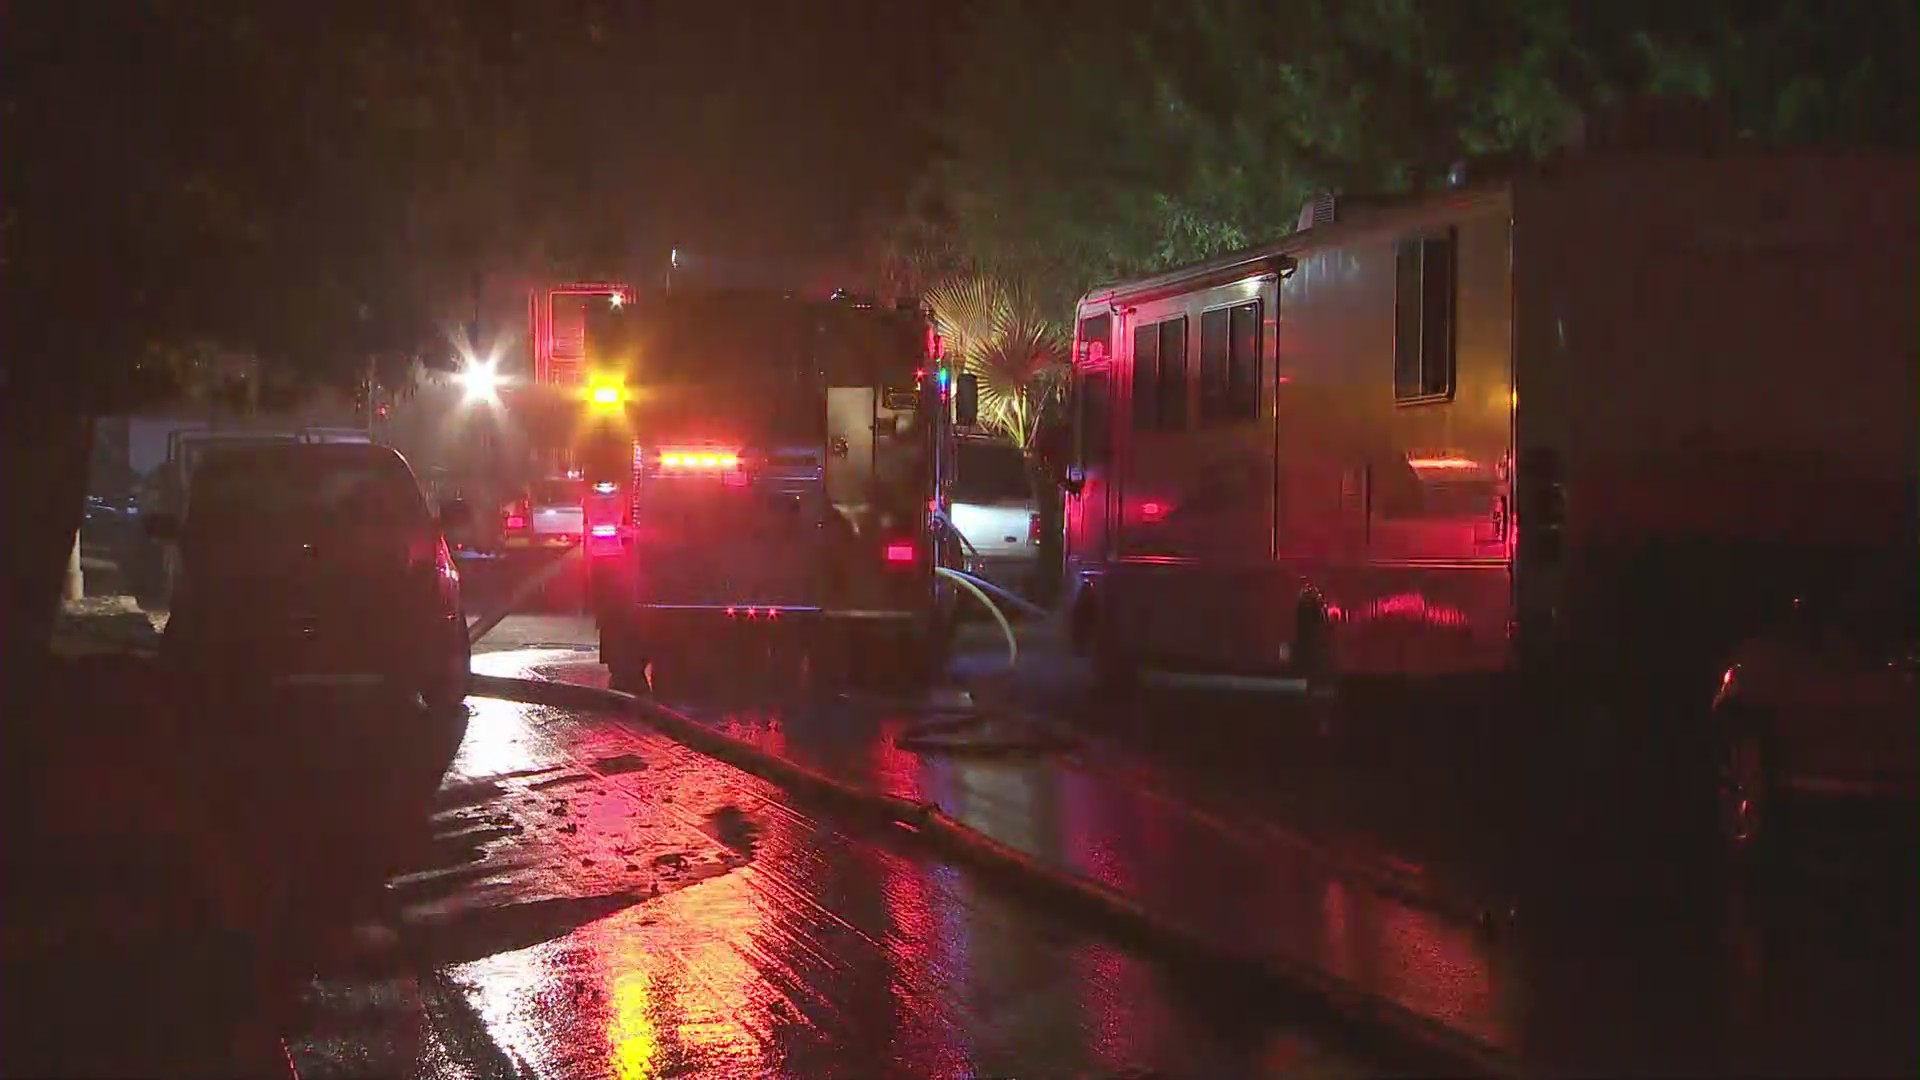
{"points": [[1322, 209]]}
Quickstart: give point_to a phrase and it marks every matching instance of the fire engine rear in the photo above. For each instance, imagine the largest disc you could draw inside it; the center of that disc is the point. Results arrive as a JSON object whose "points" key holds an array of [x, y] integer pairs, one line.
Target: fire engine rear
{"points": [[777, 469]]}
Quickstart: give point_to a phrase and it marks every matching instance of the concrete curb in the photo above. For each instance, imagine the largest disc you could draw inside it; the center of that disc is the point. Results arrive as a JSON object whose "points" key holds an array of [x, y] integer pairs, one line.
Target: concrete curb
{"points": [[1413, 1043]]}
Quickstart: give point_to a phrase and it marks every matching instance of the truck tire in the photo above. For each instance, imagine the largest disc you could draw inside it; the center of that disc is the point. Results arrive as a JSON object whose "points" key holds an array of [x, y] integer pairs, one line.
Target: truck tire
{"points": [[445, 688], [626, 661]]}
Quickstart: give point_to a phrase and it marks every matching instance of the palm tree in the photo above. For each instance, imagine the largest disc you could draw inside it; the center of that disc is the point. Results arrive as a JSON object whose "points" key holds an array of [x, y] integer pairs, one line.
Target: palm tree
{"points": [[1018, 354]]}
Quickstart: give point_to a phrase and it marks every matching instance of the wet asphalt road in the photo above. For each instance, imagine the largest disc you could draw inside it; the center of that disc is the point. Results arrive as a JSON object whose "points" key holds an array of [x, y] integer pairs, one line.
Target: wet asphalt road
{"points": [[594, 900], [1374, 857]]}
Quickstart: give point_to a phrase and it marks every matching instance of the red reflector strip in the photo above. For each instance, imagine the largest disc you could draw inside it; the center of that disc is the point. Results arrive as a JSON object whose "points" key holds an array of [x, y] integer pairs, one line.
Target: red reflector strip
{"points": [[899, 553]]}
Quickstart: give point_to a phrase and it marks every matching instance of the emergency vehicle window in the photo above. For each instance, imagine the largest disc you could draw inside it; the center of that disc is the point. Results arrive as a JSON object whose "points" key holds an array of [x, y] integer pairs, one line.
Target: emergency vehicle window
{"points": [[1215, 326], [1096, 338], [1146, 378], [1423, 318], [1096, 407], [1092, 402], [1243, 364], [1230, 364], [1173, 374]]}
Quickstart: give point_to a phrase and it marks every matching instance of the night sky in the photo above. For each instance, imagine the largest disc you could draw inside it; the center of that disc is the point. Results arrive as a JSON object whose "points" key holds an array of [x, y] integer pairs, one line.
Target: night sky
{"points": [[753, 136]]}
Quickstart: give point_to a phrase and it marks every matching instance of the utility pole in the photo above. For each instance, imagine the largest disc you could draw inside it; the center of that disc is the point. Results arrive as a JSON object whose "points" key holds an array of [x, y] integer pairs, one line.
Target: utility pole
{"points": [[473, 324]]}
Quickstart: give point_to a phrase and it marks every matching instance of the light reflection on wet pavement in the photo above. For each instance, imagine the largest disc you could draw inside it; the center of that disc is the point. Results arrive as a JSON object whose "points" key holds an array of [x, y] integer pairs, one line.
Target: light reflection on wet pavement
{"points": [[1789, 983], [595, 900], [1229, 884]]}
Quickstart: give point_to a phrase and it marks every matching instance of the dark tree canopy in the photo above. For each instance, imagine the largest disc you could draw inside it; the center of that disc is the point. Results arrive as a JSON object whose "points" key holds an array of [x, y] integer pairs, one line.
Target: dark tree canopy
{"points": [[1084, 140], [306, 183]]}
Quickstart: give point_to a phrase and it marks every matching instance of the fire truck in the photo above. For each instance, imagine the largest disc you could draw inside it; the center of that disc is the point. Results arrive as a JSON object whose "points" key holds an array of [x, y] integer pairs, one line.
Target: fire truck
{"points": [[764, 467]]}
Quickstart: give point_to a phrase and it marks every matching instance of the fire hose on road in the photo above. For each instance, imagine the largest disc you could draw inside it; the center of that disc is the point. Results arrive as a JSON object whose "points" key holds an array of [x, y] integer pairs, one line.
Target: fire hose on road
{"points": [[989, 731]]}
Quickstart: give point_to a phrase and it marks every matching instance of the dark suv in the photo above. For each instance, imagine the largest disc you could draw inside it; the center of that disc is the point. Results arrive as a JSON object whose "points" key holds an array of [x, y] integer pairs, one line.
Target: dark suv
{"points": [[316, 565]]}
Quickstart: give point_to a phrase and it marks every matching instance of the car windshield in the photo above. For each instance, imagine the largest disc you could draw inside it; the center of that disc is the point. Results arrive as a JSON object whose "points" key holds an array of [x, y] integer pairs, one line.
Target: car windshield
{"points": [[304, 487], [558, 492], [990, 472]]}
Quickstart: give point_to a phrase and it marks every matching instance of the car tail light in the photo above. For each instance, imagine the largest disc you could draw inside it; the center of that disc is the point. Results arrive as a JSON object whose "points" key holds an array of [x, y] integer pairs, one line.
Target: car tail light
{"points": [[515, 521], [1033, 528], [900, 551]]}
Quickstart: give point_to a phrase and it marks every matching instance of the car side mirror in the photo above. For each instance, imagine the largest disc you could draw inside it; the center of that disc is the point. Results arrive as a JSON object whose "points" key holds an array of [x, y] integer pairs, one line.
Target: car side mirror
{"points": [[966, 400], [455, 514], [161, 526]]}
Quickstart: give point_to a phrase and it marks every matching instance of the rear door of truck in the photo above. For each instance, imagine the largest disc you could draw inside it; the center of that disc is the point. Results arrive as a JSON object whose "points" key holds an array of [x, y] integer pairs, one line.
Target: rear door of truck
{"points": [[722, 527]]}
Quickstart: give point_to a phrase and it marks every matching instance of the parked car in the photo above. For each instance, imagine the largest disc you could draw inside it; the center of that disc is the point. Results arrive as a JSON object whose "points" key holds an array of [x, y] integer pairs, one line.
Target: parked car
{"points": [[316, 565], [1822, 706], [993, 509], [551, 515]]}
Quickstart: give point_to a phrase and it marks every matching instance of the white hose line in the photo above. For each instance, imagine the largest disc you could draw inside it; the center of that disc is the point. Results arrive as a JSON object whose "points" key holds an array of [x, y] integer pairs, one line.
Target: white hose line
{"points": [[521, 592], [1006, 628], [1026, 606]]}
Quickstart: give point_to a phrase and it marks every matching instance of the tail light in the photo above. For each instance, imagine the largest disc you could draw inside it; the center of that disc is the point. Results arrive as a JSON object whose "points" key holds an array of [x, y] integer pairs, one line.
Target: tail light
{"points": [[901, 552], [515, 517], [1033, 528], [430, 561]]}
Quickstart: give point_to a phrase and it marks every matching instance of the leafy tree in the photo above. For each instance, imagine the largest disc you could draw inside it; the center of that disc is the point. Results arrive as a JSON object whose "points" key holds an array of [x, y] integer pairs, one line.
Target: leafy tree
{"points": [[1084, 141], [294, 183]]}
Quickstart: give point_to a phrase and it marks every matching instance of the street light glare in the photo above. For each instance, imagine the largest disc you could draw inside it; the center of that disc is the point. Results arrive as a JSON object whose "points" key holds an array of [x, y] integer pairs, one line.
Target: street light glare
{"points": [[618, 300], [481, 380]]}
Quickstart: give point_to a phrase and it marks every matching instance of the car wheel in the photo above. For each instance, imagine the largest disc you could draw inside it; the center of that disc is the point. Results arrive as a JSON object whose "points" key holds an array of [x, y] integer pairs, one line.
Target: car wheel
{"points": [[1745, 794], [444, 691], [447, 688]]}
